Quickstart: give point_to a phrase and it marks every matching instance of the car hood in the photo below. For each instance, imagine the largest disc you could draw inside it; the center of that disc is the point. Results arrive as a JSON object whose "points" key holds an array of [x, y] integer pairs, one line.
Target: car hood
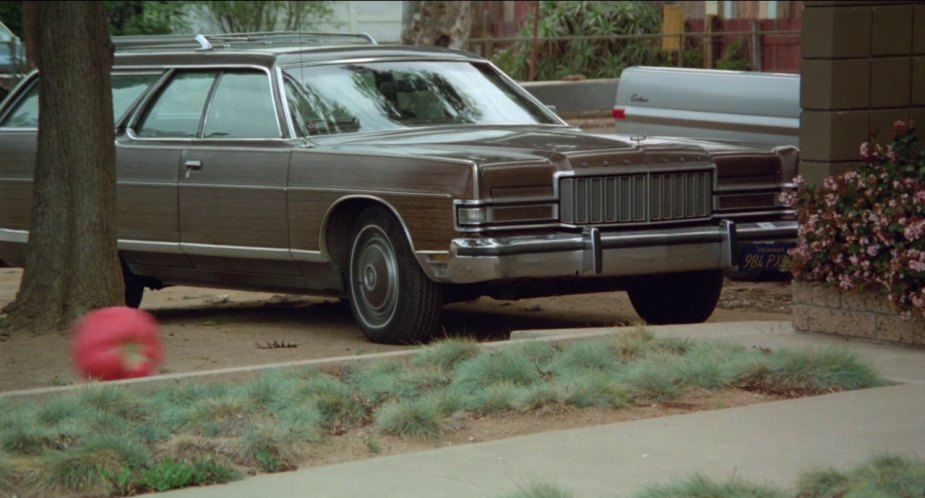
{"points": [[566, 147]]}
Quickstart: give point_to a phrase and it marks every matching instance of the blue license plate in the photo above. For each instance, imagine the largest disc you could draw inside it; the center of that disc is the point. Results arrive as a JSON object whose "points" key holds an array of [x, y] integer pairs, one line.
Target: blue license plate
{"points": [[764, 257]]}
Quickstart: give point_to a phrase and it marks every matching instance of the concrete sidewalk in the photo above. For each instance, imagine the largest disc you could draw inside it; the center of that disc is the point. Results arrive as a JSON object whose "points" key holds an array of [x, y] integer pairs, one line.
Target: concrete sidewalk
{"points": [[764, 443]]}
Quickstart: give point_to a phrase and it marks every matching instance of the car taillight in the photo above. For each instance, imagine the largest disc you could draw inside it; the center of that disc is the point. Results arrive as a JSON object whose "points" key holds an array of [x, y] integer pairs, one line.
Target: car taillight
{"points": [[619, 113]]}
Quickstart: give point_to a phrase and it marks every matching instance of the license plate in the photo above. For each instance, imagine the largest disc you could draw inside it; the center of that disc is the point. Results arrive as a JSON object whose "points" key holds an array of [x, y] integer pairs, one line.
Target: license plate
{"points": [[764, 257]]}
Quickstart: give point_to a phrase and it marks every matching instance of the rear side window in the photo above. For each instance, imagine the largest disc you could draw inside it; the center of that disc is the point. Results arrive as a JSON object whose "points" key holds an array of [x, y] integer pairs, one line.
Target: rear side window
{"points": [[126, 88], [178, 110], [26, 112], [242, 107]]}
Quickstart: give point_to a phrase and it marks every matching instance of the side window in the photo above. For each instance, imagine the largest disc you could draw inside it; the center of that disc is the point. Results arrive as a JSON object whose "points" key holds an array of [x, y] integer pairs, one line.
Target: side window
{"points": [[26, 112], [125, 89], [178, 110], [242, 107]]}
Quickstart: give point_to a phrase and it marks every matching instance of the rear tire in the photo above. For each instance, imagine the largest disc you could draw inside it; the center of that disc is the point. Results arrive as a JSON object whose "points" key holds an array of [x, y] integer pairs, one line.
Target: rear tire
{"points": [[392, 299], [678, 297]]}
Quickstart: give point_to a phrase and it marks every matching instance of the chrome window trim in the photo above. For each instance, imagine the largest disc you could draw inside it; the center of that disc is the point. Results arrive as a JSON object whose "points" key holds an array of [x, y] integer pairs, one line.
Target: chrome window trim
{"points": [[287, 115]]}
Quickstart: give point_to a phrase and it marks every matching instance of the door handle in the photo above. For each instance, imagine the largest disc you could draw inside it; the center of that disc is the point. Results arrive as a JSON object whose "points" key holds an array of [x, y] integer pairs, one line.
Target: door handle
{"points": [[193, 164]]}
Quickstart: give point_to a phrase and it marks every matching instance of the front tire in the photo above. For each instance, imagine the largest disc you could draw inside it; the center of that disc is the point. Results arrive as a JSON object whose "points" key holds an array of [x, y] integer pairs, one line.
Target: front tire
{"points": [[392, 299], [687, 297]]}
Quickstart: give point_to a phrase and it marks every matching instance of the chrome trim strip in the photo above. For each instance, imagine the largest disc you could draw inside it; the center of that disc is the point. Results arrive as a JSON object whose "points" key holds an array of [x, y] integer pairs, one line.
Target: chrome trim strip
{"points": [[308, 256], [371, 192], [318, 140], [284, 101], [244, 252], [15, 236], [149, 246], [766, 230], [231, 186]]}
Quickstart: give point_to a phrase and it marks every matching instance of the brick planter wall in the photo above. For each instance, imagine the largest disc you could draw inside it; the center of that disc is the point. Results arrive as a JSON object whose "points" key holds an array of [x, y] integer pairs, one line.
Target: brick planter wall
{"points": [[867, 315]]}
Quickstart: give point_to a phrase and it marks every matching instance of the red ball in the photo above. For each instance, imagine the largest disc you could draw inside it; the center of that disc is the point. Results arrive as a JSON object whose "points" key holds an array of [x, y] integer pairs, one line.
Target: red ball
{"points": [[116, 343]]}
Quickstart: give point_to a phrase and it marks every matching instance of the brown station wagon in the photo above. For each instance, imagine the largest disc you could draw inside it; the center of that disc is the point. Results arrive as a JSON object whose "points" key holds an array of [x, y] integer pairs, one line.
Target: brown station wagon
{"points": [[400, 178]]}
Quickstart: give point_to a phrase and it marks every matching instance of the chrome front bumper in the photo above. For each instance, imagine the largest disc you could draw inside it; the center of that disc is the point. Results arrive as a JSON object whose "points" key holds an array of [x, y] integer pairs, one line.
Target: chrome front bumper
{"points": [[594, 253]]}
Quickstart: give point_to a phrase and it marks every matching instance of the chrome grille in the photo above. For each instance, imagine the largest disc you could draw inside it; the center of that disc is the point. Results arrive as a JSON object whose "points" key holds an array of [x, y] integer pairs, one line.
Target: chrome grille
{"points": [[636, 198]]}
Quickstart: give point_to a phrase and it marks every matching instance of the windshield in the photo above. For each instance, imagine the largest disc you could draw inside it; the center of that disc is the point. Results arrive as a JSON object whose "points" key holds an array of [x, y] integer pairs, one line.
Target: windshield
{"points": [[391, 95]]}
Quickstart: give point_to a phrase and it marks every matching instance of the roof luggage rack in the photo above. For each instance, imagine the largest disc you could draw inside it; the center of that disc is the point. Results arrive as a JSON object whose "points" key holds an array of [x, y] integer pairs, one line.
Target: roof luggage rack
{"points": [[290, 39]]}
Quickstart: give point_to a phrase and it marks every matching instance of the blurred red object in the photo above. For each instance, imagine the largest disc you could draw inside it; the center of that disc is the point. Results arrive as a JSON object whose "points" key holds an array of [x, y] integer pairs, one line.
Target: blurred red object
{"points": [[116, 343]]}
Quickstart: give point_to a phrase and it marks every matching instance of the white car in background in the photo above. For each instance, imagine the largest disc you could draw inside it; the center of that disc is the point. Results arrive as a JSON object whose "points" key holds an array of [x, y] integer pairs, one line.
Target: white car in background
{"points": [[707, 103]]}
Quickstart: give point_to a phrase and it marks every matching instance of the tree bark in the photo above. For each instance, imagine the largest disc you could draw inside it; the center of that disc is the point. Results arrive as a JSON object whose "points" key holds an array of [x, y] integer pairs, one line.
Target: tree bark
{"points": [[437, 23], [72, 264]]}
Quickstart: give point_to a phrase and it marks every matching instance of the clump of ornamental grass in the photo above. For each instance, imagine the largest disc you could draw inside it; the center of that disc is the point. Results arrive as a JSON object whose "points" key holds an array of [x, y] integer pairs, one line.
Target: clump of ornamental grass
{"points": [[6, 471], [584, 389], [699, 486], [632, 344], [656, 378], [259, 393], [447, 354], [539, 397], [273, 447], [20, 435], [172, 474], [884, 476], [83, 469], [336, 401], [495, 398], [818, 371], [224, 416], [115, 400], [493, 367], [539, 490], [717, 365], [587, 356], [419, 418]]}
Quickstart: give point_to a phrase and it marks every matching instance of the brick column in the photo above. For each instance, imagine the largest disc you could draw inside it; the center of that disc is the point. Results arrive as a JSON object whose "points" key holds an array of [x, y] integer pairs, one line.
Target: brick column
{"points": [[863, 68]]}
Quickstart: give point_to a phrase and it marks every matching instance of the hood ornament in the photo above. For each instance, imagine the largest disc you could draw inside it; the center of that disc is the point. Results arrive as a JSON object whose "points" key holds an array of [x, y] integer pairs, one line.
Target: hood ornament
{"points": [[638, 139]]}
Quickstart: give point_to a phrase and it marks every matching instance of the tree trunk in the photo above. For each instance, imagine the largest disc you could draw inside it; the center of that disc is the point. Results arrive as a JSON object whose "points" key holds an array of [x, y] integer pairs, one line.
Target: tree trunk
{"points": [[437, 23], [72, 264]]}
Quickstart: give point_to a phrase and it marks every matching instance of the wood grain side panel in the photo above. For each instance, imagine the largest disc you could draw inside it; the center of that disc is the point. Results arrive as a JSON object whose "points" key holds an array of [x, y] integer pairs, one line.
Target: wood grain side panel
{"points": [[15, 204], [420, 190]]}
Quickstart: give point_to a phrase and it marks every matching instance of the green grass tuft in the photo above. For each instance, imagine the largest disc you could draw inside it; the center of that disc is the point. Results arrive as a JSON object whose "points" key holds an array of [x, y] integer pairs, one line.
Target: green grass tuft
{"points": [[21, 436], [173, 474], [538, 397], [273, 448], [715, 365], [820, 371], [702, 487], [447, 354], [495, 398], [6, 471], [83, 469], [632, 344], [495, 367], [587, 356], [420, 418], [656, 378], [593, 388], [881, 477], [539, 490]]}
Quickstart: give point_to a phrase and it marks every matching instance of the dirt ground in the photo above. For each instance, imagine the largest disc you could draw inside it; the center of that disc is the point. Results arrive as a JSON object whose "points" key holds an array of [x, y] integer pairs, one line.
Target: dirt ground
{"points": [[216, 328]]}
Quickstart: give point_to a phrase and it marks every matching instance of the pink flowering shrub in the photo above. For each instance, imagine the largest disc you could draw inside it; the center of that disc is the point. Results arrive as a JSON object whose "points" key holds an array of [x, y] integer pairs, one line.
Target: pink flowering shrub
{"points": [[865, 229]]}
